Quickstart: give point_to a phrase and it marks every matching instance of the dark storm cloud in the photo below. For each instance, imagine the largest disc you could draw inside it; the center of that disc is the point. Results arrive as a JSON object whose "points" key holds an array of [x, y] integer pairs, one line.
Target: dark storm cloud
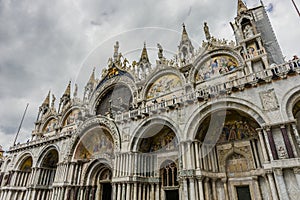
{"points": [[44, 44]]}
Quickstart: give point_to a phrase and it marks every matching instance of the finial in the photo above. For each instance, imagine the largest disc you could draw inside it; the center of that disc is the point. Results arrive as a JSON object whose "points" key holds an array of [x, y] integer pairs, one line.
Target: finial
{"points": [[68, 90], [92, 77], [184, 35], [47, 100], [241, 7], [144, 55]]}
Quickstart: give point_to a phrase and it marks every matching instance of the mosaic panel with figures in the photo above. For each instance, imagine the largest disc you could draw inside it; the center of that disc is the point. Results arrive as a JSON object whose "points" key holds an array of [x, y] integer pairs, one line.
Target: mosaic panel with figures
{"points": [[217, 65], [72, 117], [26, 165], [163, 85], [164, 140], [96, 142], [226, 126], [50, 126]]}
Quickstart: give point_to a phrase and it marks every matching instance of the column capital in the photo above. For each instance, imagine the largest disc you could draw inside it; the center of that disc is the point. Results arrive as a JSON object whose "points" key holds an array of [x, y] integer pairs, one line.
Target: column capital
{"points": [[296, 170], [278, 171]]}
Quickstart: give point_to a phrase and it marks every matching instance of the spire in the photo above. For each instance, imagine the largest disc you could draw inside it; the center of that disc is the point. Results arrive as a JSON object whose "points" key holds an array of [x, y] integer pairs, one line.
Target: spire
{"points": [[144, 55], [92, 77], [47, 100], [241, 7], [68, 90], [184, 35]]}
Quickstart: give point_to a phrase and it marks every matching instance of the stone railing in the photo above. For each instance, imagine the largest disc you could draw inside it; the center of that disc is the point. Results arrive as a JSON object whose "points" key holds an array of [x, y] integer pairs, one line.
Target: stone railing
{"points": [[238, 84], [42, 140]]}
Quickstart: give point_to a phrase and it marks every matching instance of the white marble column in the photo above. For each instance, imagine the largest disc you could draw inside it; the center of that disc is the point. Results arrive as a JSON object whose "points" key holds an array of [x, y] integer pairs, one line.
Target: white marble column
{"points": [[157, 191], [214, 189], [224, 180], [192, 189], [134, 191], [200, 189], [280, 184], [118, 191], [272, 186], [123, 195], [185, 189], [297, 175], [128, 191], [152, 192], [256, 188], [114, 191], [263, 145]]}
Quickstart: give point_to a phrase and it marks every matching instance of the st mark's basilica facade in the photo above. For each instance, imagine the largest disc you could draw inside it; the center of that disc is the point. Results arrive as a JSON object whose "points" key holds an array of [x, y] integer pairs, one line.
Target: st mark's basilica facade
{"points": [[218, 122]]}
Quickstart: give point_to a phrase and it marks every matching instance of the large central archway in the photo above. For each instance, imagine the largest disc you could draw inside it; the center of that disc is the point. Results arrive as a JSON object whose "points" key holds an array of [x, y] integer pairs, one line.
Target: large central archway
{"points": [[230, 145]]}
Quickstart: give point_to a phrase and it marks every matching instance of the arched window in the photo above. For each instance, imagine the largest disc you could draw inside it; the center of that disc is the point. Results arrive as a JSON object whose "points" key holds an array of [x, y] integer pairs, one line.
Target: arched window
{"points": [[168, 173], [117, 98]]}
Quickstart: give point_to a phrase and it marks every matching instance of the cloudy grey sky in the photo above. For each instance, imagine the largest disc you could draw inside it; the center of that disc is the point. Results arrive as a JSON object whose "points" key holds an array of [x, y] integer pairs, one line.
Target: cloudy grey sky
{"points": [[44, 44]]}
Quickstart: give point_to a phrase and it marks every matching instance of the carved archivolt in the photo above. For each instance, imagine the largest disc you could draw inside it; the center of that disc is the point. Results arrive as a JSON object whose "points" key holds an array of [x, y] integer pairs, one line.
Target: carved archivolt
{"points": [[117, 80]]}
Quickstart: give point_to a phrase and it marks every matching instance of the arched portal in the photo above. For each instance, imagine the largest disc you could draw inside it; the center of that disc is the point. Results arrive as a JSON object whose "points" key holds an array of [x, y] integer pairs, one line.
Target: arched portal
{"points": [[229, 144], [98, 185]]}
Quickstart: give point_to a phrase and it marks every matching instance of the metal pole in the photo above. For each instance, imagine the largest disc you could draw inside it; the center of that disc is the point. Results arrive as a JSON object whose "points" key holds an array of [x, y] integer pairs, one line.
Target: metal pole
{"points": [[20, 124], [296, 7]]}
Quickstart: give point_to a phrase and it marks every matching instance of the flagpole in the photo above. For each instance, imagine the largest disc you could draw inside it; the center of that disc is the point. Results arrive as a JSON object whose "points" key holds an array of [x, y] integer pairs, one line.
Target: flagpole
{"points": [[20, 124], [296, 7]]}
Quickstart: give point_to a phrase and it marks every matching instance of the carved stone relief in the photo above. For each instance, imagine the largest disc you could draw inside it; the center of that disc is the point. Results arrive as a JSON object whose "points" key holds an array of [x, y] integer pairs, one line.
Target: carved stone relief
{"points": [[269, 100]]}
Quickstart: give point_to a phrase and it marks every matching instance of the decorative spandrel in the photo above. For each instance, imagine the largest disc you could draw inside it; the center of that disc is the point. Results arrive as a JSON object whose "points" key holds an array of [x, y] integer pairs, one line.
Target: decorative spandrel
{"points": [[216, 66], [163, 85], [50, 126], [72, 117], [165, 140], [96, 143]]}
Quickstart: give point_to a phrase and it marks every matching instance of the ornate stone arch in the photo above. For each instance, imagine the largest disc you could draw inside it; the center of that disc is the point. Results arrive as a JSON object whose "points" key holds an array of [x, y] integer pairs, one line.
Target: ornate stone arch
{"points": [[46, 121], [158, 74], [22, 157], [93, 168], [44, 152], [109, 84], [205, 110], [203, 59], [289, 100], [144, 125], [66, 114], [97, 121]]}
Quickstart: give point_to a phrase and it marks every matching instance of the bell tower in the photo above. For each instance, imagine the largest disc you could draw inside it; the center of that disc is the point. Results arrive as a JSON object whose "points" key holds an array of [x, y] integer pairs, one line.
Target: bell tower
{"points": [[256, 38]]}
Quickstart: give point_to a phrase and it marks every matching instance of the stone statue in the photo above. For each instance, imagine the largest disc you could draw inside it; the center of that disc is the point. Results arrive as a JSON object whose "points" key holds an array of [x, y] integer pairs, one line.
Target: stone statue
{"points": [[248, 31], [76, 90], [206, 31], [160, 51], [116, 50], [109, 62], [53, 100]]}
